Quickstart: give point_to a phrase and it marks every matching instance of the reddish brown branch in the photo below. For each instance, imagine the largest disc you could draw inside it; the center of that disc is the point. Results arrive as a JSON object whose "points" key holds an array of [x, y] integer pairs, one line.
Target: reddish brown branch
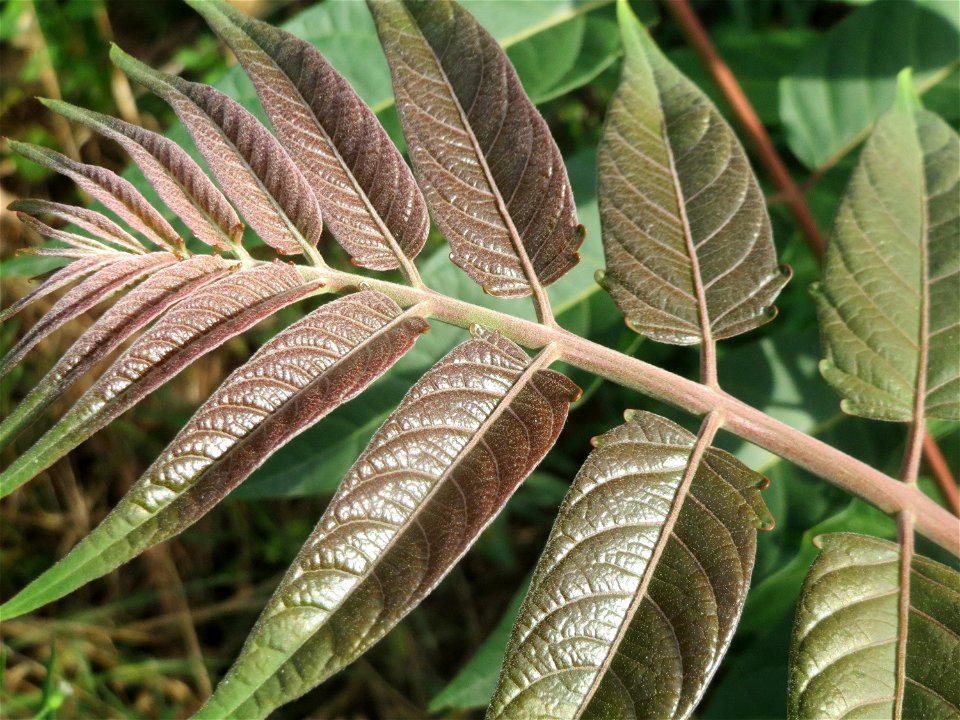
{"points": [[941, 471], [787, 189]]}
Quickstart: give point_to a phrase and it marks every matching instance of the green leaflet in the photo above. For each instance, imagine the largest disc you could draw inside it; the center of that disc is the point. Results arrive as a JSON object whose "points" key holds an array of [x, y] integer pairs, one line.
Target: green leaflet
{"points": [[889, 303], [687, 238], [844, 654], [431, 479], [640, 587], [846, 81]]}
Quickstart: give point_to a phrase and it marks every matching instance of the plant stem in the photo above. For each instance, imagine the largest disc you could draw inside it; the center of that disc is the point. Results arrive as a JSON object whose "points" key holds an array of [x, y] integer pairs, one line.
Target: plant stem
{"points": [[747, 422], [941, 471]]}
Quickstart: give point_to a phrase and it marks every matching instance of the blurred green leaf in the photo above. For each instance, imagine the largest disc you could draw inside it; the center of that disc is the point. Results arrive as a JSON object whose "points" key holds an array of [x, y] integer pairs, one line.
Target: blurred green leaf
{"points": [[848, 78]]}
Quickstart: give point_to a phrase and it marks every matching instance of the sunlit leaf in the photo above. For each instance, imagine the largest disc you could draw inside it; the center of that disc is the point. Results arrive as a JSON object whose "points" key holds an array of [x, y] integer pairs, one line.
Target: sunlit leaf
{"points": [[138, 308], [490, 170], [190, 329], [432, 478], [847, 80], [685, 228], [110, 189], [370, 200], [295, 379], [106, 282], [641, 584], [889, 303], [83, 243], [849, 631], [180, 182], [251, 166]]}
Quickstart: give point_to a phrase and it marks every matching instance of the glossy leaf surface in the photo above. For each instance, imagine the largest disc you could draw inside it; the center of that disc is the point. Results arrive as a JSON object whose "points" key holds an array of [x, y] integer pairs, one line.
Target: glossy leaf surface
{"points": [[688, 244], [641, 584], [138, 308], [99, 225], [491, 172], [106, 282], [179, 181], [110, 189], [371, 203], [845, 82], [846, 636], [432, 478], [192, 328], [889, 303], [295, 379], [249, 163]]}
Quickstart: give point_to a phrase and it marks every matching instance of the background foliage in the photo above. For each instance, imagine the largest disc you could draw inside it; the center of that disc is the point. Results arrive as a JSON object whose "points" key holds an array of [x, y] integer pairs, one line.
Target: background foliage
{"points": [[149, 640]]}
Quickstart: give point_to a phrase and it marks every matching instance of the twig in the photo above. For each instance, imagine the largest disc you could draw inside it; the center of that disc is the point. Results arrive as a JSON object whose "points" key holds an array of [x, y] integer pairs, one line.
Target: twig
{"points": [[787, 189]]}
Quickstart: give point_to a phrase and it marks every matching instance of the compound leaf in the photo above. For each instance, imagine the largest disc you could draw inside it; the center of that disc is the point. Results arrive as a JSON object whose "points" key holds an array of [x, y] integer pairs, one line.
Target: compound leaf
{"points": [[850, 631], [179, 181], [431, 479], [138, 308], [295, 379], [371, 203], [251, 166], [686, 233], [641, 584], [106, 282], [491, 172], [190, 329], [889, 303]]}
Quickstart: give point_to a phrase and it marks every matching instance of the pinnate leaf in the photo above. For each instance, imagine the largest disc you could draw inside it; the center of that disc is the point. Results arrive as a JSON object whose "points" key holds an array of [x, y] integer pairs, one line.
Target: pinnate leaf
{"points": [[98, 224], [491, 172], [847, 635], [369, 198], [107, 281], [181, 183], [295, 379], [113, 191], [687, 238], [641, 584], [135, 310], [431, 479], [190, 329], [889, 303], [251, 166]]}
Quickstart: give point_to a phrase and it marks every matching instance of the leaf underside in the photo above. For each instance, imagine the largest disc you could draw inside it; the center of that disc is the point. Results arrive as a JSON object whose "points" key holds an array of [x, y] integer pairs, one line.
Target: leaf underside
{"points": [[684, 221], [295, 379], [249, 163], [370, 201], [845, 645], [431, 479], [99, 225], [146, 302], [107, 281], [117, 194], [611, 630], [889, 303], [192, 328], [181, 183], [491, 173]]}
